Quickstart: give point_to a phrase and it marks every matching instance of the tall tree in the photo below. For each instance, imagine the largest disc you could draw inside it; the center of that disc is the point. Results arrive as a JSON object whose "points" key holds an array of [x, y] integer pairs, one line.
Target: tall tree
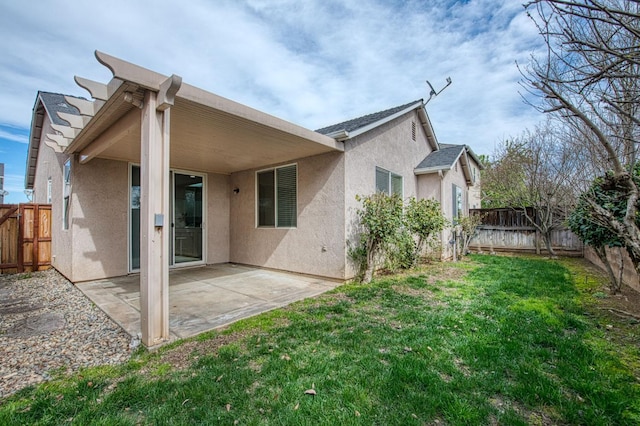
{"points": [[535, 174], [590, 79]]}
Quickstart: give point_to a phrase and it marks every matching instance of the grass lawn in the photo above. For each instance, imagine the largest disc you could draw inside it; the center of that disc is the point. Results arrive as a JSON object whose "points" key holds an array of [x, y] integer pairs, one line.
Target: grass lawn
{"points": [[491, 340]]}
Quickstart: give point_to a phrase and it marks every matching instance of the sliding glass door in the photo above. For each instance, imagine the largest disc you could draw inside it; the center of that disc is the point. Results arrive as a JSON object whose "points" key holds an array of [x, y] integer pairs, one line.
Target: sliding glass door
{"points": [[186, 219]]}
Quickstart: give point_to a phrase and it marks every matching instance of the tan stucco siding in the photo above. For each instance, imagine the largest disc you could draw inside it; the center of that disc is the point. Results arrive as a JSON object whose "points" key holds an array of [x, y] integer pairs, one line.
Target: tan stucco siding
{"points": [[99, 207], [217, 225], [475, 194], [455, 176], [317, 245], [390, 147], [429, 186], [49, 166]]}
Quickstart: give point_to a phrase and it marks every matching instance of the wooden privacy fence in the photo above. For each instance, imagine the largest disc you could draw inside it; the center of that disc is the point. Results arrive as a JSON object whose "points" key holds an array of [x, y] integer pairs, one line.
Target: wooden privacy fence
{"points": [[25, 237], [508, 229]]}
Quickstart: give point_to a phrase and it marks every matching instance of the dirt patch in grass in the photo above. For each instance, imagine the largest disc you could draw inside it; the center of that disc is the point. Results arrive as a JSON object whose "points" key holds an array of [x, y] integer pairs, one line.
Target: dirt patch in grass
{"points": [[426, 294], [625, 304], [445, 272], [183, 356]]}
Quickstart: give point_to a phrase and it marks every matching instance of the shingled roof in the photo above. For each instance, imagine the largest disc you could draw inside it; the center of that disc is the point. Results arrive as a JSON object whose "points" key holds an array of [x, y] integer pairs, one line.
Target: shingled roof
{"points": [[442, 159], [52, 103], [367, 120], [56, 102]]}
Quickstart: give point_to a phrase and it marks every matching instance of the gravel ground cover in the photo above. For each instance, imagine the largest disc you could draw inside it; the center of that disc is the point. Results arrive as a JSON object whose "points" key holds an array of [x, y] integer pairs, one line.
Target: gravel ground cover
{"points": [[48, 326]]}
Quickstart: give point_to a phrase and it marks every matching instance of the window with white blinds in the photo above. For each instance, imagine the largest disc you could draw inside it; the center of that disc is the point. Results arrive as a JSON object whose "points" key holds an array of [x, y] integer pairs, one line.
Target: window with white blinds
{"points": [[278, 197], [388, 183]]}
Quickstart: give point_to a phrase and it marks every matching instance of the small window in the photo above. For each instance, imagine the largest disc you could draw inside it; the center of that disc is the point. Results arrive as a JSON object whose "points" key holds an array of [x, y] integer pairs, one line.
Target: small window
{"points": [[277, 197], [66, 199], [388, 183], [49, 188], [413, 130]]}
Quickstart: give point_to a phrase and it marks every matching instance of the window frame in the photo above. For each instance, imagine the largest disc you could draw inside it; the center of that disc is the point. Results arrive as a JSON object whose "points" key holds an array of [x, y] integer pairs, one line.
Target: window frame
{"points": [[457, 199], [49, 190], [276, 224], [390, 177]]}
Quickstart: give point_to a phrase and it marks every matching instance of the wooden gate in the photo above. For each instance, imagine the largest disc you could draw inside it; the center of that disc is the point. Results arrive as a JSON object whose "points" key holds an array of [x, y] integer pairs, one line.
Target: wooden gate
{"points": [[25, 237]]}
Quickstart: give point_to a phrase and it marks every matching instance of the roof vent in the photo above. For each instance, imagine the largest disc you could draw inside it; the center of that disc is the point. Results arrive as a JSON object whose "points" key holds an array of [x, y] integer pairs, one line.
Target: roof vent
{"points": [[63, 105]]}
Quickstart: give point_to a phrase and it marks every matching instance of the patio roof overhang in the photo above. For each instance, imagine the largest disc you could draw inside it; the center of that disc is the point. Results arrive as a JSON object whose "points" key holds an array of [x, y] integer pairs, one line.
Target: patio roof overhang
{"points": [[208, 133]]}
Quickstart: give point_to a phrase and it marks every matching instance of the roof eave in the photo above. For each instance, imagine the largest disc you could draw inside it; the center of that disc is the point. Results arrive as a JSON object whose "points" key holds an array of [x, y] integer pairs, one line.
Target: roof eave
{"points": [[475, 157], [339, 135], [429, 170], [35, 134], [428, 128]]}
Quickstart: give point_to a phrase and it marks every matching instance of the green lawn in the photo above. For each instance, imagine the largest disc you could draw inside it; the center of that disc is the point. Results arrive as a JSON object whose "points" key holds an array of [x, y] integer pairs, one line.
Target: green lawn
{"points": [[491, 340]]}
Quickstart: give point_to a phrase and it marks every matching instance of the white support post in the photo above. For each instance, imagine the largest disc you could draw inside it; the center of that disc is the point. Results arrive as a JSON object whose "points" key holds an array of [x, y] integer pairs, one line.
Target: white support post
{"points": [[154, 223]]}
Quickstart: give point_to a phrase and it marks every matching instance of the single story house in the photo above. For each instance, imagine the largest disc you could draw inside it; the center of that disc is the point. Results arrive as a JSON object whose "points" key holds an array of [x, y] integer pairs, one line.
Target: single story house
{"points": [[153, 173]]}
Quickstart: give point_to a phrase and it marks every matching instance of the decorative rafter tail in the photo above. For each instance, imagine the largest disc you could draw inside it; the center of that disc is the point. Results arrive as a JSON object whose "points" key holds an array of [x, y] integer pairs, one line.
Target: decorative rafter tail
{"points": [[85, 107]]}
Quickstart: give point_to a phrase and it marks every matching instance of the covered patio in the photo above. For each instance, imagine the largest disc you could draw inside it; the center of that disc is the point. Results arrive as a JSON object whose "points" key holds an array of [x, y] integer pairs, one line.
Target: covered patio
{"points": [[205, 298], [160, 125]]}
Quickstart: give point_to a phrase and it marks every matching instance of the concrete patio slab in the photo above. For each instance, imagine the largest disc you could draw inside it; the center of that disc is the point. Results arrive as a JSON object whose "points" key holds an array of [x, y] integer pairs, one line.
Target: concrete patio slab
{"points": [[207, 297]]}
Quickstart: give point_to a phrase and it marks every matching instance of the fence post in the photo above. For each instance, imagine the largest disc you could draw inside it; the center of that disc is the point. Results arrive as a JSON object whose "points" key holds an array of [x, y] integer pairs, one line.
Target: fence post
{"points": [[20, 238]]}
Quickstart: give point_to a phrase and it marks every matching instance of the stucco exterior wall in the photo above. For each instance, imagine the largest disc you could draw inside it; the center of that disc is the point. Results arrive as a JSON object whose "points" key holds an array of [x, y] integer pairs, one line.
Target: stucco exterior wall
{"points": [[390, 147], [429, 187], [99, 211], [455, 176], [475, 195], [50, 165], [218, 212], [317, 245]]}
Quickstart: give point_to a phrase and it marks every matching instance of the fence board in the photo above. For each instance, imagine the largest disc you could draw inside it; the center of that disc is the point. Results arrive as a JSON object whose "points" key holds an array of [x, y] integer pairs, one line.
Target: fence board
{"points": [[25, 237]]}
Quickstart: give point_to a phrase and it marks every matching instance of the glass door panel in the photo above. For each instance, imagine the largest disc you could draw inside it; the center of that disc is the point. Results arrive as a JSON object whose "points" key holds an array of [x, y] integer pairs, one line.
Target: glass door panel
{"points": [[134, 228], [187, 218]]}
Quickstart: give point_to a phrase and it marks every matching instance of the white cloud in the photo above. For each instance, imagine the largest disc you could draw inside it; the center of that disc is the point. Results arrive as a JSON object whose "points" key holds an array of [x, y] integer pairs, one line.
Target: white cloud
{"points": [[313, 62], [13, 137], [14, 185]]}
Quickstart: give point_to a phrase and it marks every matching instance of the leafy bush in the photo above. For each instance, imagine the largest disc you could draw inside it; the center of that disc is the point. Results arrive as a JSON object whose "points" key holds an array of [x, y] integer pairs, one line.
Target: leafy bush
{"points": [[424, 219], [401, 251], [380, 220], [467, 230], [395, 236], [587, 224]]}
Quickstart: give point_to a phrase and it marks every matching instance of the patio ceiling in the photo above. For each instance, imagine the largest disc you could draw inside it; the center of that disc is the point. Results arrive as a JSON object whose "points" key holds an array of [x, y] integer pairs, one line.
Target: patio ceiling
{"points": [[208, 133]]}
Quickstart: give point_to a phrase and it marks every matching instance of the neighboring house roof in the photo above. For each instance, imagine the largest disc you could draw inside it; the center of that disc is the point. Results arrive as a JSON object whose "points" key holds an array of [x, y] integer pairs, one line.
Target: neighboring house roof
{"points": [[445, 159], [51, 104], [357, 126]]}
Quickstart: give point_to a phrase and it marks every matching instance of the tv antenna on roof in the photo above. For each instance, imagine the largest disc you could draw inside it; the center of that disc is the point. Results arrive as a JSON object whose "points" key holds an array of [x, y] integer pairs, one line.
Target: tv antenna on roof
{"points": [[433, 92]]}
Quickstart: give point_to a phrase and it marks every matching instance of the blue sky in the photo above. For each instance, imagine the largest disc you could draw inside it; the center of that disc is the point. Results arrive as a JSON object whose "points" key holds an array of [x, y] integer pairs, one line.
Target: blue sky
{"points": [[312, 62]]}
